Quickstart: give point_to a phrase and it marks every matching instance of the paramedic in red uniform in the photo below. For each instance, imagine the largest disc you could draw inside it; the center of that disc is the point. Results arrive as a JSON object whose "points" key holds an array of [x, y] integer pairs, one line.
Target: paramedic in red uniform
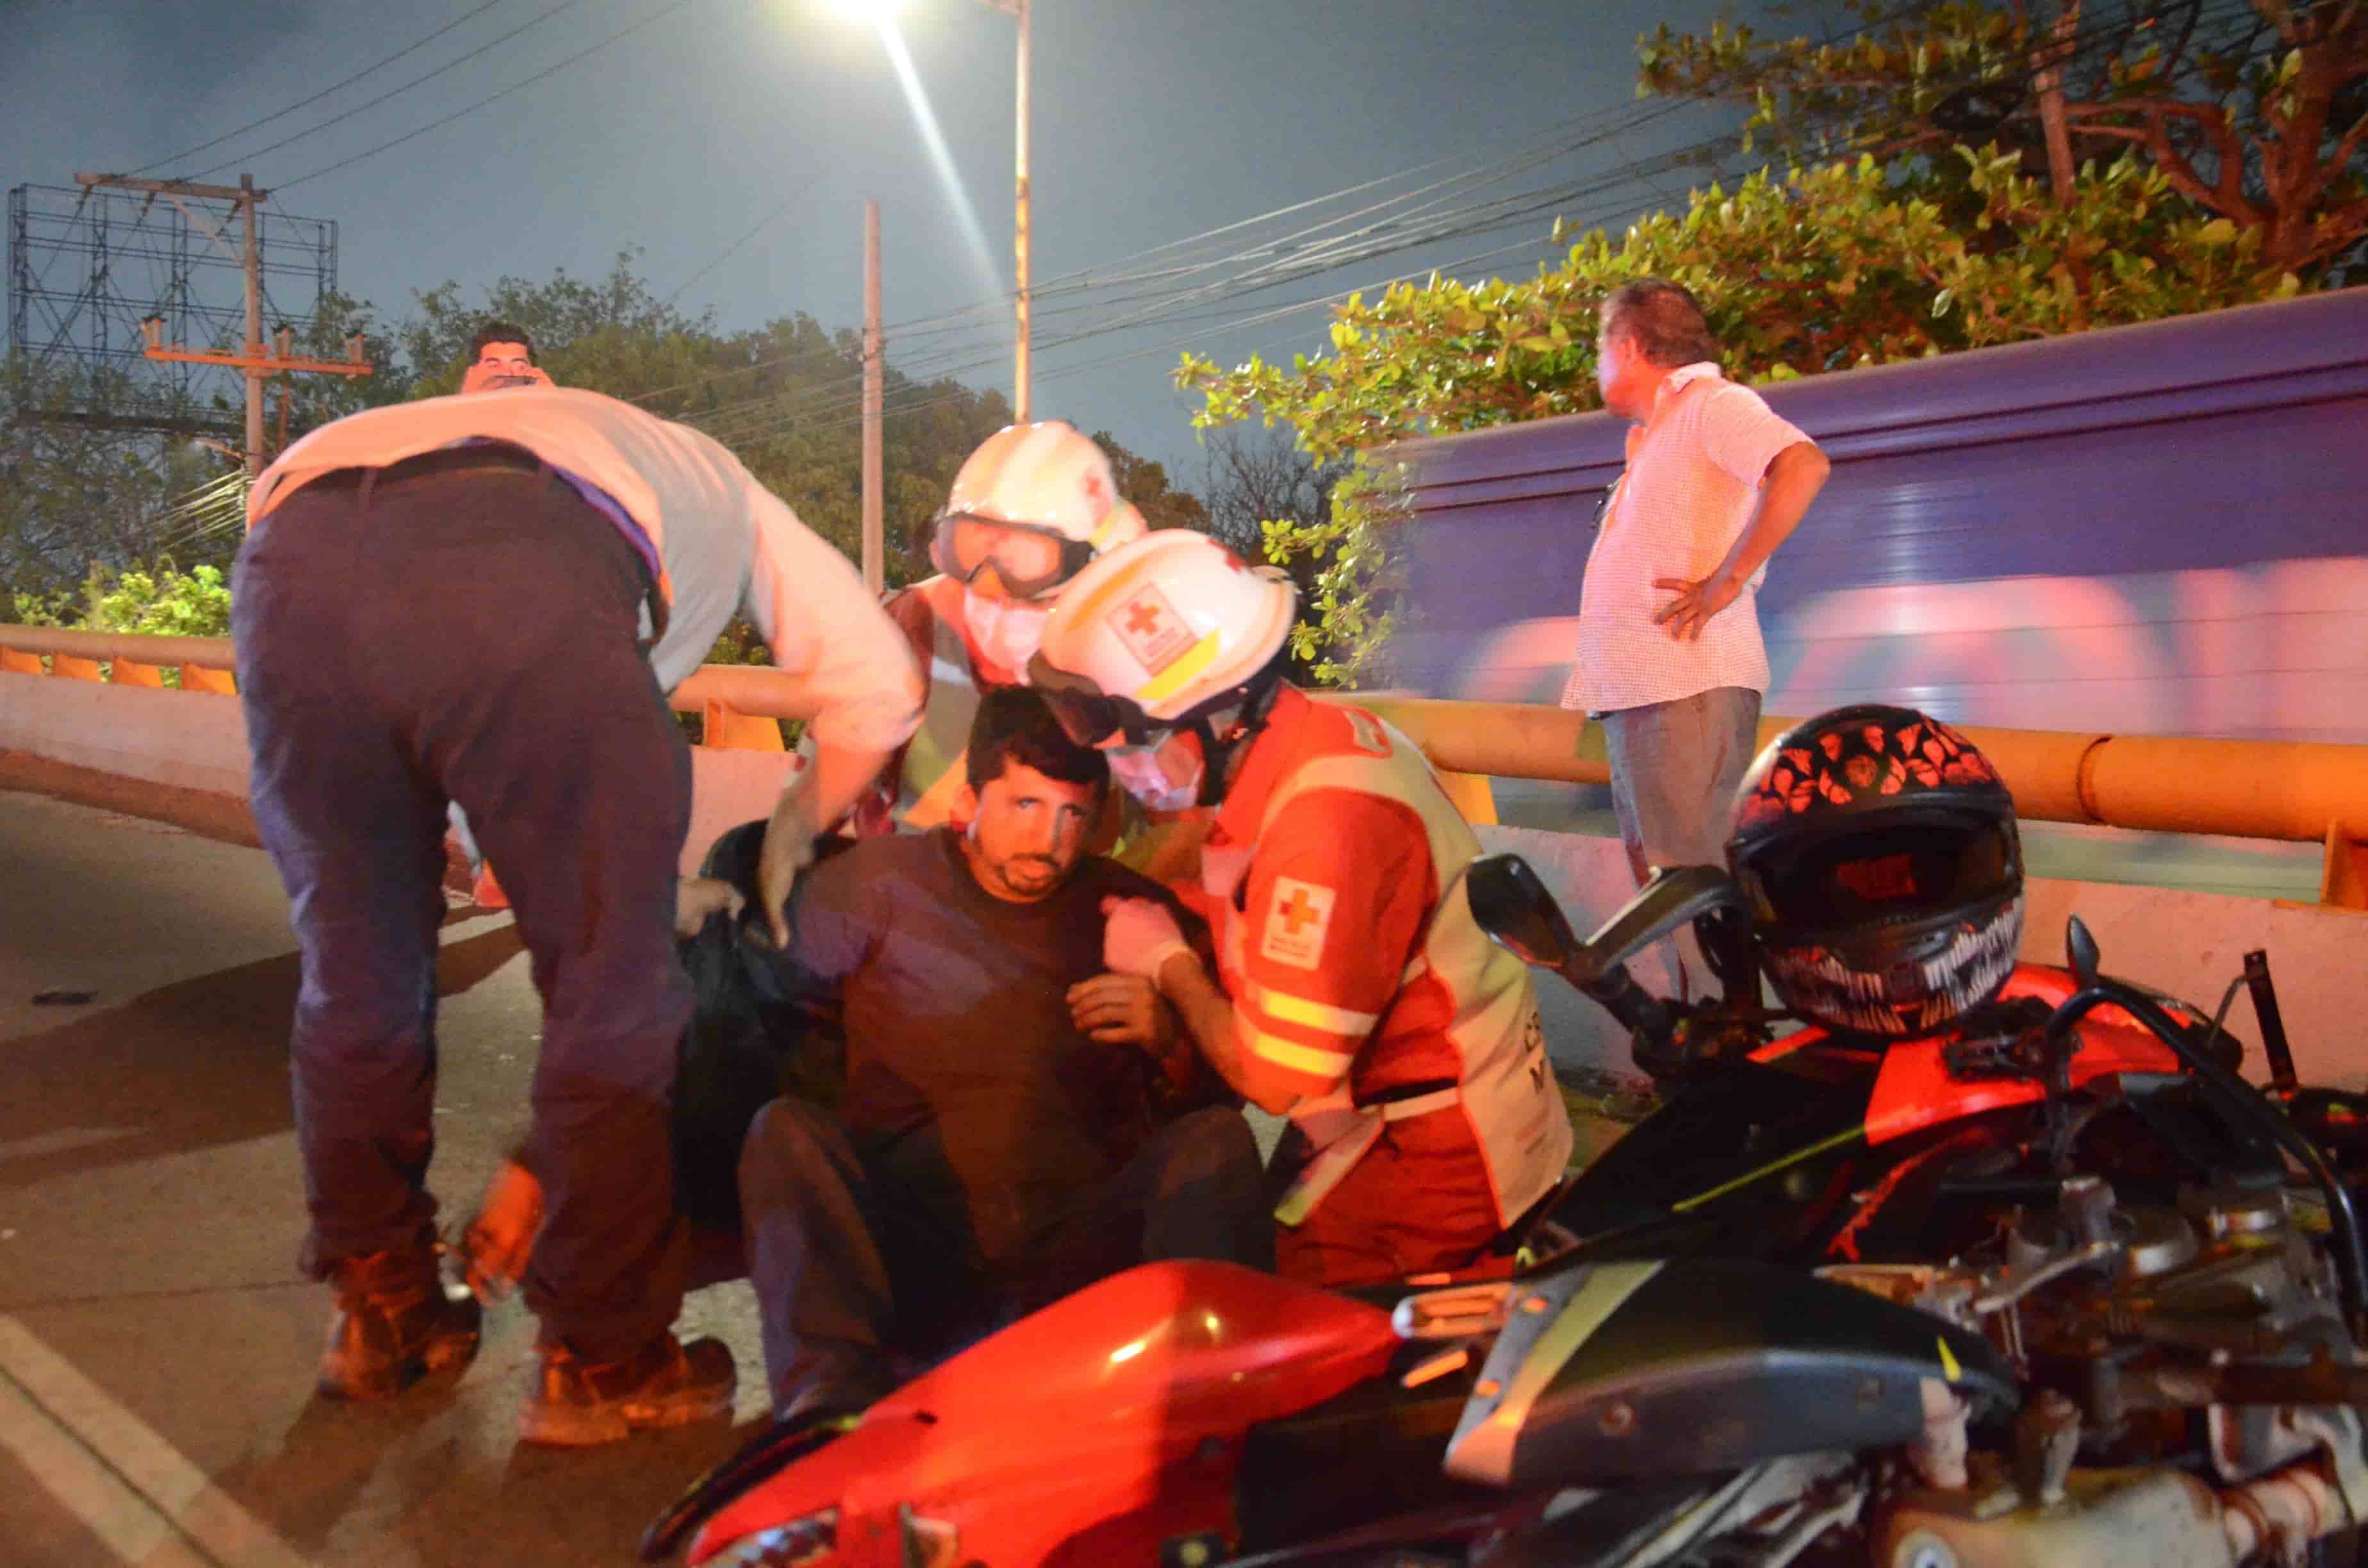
{"points": [[1355, 993], [1031, 506]]}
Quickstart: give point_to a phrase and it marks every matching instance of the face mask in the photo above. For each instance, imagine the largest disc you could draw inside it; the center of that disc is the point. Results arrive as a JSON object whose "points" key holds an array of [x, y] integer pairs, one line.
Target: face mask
{"points": [[1164, 777], [1004, 631]]}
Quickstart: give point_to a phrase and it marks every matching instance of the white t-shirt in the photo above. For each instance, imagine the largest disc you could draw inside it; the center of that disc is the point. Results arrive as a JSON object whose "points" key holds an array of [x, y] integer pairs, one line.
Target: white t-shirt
{"points": [[723, 542], [1691, 486]]}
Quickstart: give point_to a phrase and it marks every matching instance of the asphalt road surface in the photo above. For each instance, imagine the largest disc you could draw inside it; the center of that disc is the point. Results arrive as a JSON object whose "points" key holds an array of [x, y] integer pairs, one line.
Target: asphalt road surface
{"points": [[157, 1343]]}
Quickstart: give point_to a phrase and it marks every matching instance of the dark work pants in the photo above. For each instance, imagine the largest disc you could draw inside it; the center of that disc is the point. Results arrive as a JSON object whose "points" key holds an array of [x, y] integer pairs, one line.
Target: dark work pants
{"points": [[470, 635], [855, 1272]]}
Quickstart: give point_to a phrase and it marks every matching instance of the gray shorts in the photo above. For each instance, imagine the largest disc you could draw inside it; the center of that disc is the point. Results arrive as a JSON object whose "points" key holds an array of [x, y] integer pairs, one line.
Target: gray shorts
{"points": [[1674, 766]]}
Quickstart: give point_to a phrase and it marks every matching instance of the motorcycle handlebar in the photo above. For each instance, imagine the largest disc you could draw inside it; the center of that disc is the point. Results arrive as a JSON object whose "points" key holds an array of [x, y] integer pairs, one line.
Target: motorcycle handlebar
{"points": [[1617, 993]]}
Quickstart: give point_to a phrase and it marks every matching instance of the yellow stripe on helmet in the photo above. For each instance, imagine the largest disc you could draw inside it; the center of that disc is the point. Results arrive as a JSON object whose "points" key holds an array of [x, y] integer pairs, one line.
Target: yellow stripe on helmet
{"points": [[1175, 676], [1099, 538]]}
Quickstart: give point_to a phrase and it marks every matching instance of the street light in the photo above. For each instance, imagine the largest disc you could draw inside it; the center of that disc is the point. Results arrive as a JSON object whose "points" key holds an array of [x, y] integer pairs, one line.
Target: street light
{"points": [[883, 11]]}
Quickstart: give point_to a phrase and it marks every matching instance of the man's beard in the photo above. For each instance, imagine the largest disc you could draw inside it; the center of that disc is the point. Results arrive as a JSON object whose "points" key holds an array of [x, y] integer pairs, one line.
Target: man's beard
{"points": [[1029, 873]]}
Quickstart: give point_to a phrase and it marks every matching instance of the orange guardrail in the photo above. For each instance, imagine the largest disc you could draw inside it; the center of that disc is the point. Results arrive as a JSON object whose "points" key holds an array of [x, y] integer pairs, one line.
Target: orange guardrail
{"points": [[2298, 791]]}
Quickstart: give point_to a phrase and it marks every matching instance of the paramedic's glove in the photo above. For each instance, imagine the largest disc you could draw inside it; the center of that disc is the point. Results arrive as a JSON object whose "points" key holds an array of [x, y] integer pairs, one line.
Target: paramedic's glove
{"points": [[789, 850], [499, 1238], [698, 899], [1139, 934]]}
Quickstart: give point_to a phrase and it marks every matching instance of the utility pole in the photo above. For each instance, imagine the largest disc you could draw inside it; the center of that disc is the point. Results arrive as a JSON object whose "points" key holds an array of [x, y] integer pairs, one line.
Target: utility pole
{"points": [[2048, 84], [251, 262], [874, 504], [255, 362], [1021, 219]]}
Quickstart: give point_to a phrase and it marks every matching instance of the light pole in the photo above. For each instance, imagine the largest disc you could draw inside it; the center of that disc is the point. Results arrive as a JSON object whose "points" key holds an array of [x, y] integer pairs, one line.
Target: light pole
{"points": [[1017, 10], [882, 12]]}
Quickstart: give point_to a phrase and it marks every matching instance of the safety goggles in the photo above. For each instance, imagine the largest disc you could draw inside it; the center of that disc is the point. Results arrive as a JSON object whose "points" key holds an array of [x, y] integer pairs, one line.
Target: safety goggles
{"points": [[1088, 715], [1028, 559]]}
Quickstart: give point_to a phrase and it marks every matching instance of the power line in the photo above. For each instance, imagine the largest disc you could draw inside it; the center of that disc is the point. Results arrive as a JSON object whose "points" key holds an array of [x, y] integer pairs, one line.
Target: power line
{"points": [[1109, 274], [838, 415], [732, 248], [1331, 254], [1474, 219], [616, 37], [316, 98], [489, 45], [1621, 120]]}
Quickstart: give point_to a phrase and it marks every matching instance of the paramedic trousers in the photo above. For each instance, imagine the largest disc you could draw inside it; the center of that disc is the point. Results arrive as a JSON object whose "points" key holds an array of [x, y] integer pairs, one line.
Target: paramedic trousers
{"points": [[463, 627]]}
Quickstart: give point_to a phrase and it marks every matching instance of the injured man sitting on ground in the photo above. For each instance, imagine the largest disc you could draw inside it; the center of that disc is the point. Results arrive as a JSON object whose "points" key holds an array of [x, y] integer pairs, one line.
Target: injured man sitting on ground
{"points": [[979, 1118]]}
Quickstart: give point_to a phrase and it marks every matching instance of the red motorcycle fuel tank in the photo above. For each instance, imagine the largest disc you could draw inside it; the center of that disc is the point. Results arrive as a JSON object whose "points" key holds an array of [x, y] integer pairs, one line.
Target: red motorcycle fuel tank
{"points": [[1088, 1433], [1914, 1088]]}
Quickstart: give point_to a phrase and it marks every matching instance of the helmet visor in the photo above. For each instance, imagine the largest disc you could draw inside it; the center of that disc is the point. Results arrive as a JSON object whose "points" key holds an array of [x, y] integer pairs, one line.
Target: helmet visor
{"points": [[1087, 714], [1885, 876], [1029, 559]]}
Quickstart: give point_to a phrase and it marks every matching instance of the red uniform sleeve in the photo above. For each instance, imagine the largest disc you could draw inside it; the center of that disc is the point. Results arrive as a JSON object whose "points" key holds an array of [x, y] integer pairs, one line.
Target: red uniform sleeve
{"points": [[1332, 910]]}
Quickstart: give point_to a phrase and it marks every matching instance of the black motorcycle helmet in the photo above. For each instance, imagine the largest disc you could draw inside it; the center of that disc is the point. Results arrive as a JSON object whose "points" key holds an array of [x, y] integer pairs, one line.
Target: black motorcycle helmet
{"points": [[1879, 851]]}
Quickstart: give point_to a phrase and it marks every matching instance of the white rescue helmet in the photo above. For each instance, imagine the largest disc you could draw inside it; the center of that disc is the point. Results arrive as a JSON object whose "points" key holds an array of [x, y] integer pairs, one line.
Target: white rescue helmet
{"points": [[1159, 632], [1035, 503]]}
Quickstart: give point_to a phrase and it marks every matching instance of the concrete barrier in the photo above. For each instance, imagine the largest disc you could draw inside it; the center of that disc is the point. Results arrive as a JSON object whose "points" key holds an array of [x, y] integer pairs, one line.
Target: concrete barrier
{"points": [[191, 740], [197, 740], [2189, 944]]}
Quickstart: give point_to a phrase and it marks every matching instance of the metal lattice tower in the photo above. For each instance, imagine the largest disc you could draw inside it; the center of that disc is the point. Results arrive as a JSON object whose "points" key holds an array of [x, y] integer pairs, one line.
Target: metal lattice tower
{"points": [[86, 267]]}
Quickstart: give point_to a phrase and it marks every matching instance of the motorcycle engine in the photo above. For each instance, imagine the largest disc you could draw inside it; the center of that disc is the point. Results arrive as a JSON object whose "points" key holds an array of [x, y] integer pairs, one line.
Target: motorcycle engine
{"points": [[2191, 1390]]}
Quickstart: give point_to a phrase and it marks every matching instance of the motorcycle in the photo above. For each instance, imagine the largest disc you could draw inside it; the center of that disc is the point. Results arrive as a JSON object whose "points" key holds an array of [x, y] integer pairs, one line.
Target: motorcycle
{"points": [[2055, 1286]]}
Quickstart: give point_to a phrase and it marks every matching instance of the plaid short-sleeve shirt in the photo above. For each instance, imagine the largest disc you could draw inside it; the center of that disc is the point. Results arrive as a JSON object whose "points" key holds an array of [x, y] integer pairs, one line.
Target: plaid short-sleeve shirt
{"points": [[1688, 491]]}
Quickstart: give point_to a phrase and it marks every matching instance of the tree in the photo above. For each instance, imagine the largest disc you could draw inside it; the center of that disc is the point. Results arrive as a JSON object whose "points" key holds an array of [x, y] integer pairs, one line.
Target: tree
{"points": [[1252, 479], [612, 334], [2256, 110], [1841, 265], [74, 496], [1144, 482], [781, 397]]}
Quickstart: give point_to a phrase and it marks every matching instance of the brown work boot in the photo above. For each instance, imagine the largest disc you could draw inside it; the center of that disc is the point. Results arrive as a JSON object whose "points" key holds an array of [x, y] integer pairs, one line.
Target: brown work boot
{"points": [[580, 1405], [394, 1323]]}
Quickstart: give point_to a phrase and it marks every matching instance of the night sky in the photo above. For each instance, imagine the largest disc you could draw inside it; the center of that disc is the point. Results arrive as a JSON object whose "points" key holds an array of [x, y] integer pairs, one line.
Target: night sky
{"points": [[1156, 121]]}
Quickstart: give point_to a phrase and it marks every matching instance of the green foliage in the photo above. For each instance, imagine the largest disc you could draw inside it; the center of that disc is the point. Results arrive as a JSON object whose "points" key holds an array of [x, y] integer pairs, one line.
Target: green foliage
{"points": [[159, 601], [738, 643], [162, 600], [1848, 264], [44, 609], [612, 334], [2257, 112], [74, 494]]}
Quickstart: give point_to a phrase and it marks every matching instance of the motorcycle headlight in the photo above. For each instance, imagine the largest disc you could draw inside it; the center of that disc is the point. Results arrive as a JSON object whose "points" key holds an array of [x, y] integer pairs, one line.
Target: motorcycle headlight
{"points": [[800, 1542]]}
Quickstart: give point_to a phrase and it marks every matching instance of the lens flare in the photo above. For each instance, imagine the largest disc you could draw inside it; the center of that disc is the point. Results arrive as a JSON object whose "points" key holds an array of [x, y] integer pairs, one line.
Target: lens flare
{"points": [[981, 254]]}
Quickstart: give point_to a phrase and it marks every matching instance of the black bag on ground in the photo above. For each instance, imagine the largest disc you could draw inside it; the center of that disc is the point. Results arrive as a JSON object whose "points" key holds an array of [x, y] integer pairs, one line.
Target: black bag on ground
{"points": [[743, 1047]]}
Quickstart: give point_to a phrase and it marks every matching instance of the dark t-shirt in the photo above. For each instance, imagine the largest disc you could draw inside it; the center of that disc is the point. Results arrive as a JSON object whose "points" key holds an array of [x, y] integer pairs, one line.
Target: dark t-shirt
{"points": [[964, 1069]]}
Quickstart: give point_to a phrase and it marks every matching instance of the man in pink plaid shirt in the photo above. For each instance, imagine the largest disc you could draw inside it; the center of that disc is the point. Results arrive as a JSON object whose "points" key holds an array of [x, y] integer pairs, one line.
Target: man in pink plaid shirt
{"points": [[1669, 657]]}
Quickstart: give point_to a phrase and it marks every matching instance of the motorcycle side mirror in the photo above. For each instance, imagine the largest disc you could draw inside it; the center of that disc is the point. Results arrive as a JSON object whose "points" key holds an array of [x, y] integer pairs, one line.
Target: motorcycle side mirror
{"points": [[1676, 896], [1511, 903], [2081, 951]]}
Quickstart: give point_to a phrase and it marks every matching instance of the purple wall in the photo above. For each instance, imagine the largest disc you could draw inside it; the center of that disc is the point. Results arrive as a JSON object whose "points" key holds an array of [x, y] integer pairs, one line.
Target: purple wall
{"points": [[2159, 529]]}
